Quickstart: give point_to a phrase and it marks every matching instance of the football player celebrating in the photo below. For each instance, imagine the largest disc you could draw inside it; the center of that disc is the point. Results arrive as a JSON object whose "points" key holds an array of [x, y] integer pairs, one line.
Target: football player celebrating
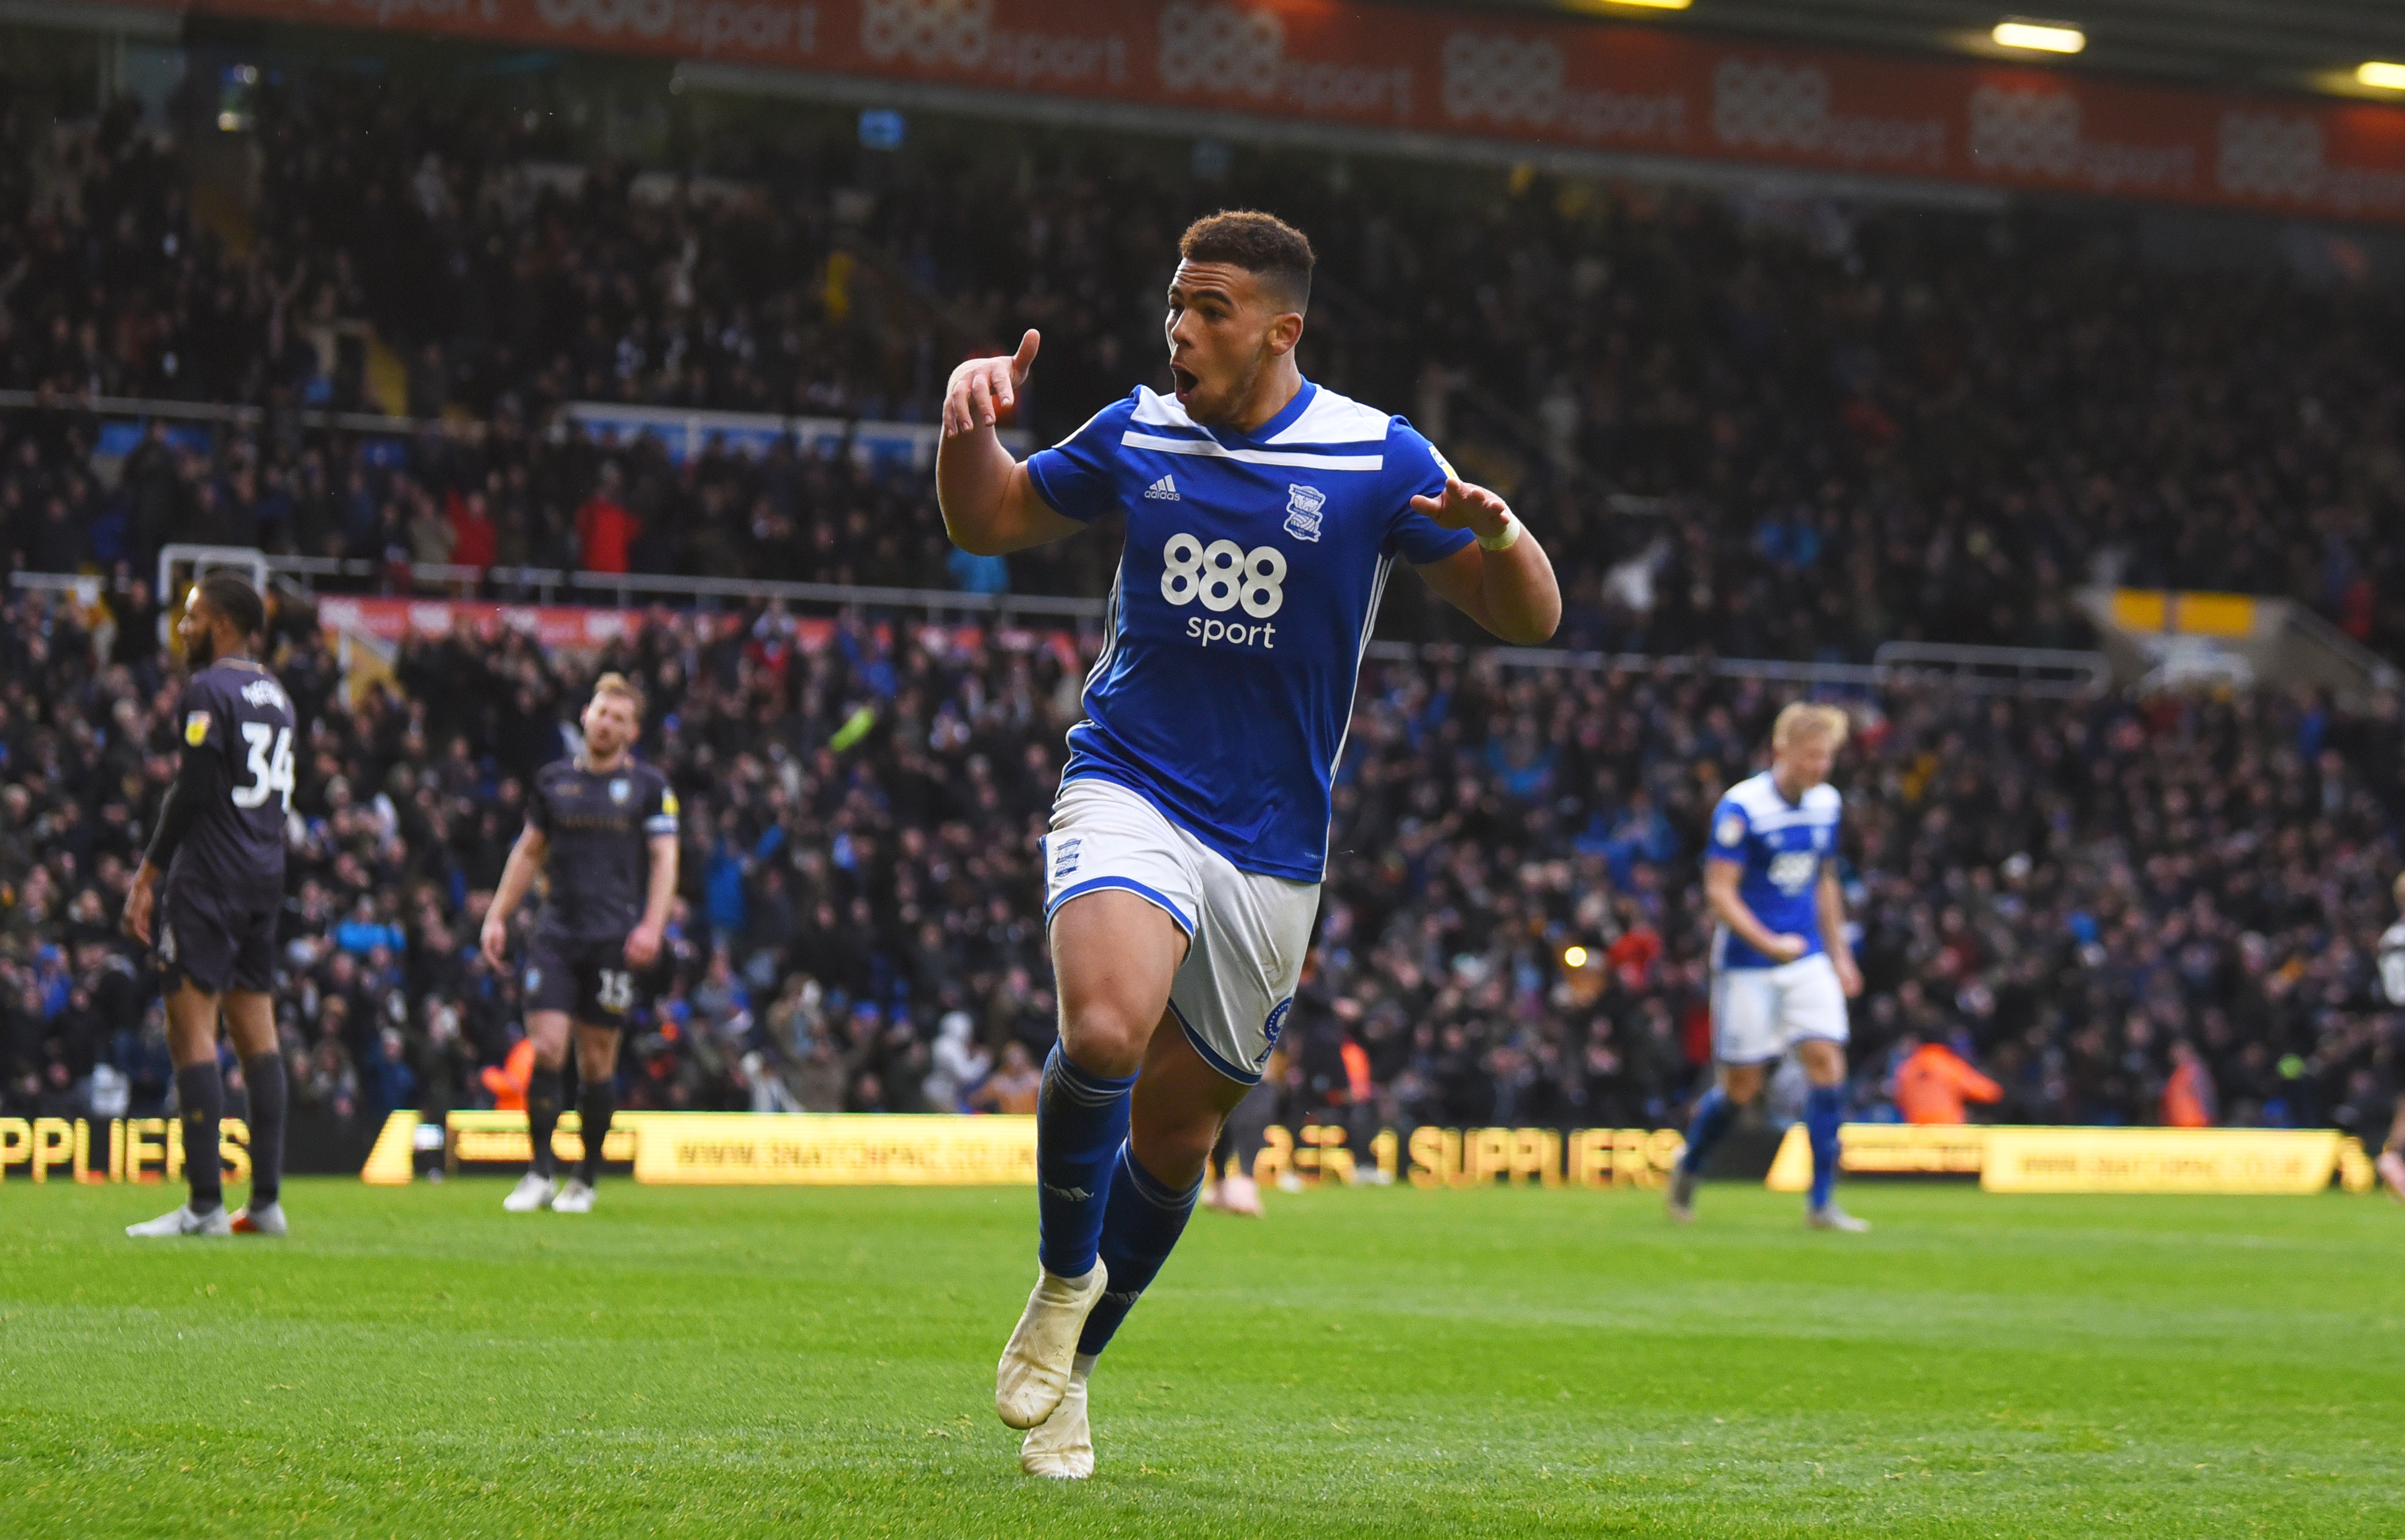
{"points": [[1190, 835], [1783, 968], [603, 827], [2391, 1164], [220, 842]]}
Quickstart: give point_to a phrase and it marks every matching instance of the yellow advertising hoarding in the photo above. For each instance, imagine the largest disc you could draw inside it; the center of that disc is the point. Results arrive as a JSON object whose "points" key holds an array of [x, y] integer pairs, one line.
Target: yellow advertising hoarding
{"points": [[2009, 1158], [833, 1149], [125, 1149], [2159, 1160]]}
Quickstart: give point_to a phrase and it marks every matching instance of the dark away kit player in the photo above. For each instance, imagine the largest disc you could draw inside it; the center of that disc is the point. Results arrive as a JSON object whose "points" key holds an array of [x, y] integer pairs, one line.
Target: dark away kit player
{"points": [[220, 844], [602, 828], [1188, 839]]}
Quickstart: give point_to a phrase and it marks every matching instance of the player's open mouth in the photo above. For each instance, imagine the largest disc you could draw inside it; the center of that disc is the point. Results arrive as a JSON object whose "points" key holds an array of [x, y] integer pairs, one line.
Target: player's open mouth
{"points": [[1183, 381]]}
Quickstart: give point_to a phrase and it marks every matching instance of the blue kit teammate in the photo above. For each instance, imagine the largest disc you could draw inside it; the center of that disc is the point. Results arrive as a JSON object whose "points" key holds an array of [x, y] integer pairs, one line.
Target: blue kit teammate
{"points": [[1783, 968], [1264, 515]]}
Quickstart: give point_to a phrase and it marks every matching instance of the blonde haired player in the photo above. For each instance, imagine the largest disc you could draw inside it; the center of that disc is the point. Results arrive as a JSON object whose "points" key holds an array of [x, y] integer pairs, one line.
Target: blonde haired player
{"points": [[1783, 968], [2392, 985], [603, 828]]}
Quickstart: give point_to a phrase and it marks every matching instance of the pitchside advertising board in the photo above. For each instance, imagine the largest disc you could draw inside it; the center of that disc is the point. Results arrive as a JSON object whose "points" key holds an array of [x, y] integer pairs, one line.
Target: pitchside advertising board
{"points": [[1627, 90], [749, 1149]]}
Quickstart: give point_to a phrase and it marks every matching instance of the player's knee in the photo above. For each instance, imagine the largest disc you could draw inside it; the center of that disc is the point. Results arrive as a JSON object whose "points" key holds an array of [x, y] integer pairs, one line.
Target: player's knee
{"points": [[1104, 1039]]}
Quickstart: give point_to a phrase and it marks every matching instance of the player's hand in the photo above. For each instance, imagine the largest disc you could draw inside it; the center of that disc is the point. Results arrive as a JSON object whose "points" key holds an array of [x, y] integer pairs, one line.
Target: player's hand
{"points": [[138, 901], [1467, 506], [1788, 948], [1849, 976], [984, 391], [643, 944], [494, 941]]}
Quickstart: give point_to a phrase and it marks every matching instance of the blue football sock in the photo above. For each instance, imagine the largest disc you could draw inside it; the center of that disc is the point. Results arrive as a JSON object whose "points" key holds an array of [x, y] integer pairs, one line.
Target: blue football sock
{"points": [[1824, 1110], [1140, 1227], [1081, 1119], [1713, 1115]]}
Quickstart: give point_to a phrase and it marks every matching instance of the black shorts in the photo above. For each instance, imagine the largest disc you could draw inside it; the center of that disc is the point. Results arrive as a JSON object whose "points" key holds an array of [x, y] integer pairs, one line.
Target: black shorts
{"points": [[587, 979], [217, 940]]}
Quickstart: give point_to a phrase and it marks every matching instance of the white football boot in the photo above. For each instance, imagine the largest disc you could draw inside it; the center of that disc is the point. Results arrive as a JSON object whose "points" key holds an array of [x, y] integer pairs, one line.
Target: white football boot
{"points": [[1831, 1217], [1679, 1202], [184, 1221], [532, 1193], [574, 1198], [1034, 1373], [257, 1221], [1061, 1446]]}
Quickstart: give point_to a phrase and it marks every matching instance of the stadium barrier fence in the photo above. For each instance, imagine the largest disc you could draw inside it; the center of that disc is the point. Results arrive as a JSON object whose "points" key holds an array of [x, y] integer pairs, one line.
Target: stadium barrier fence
{"points": [[2047, 672]]}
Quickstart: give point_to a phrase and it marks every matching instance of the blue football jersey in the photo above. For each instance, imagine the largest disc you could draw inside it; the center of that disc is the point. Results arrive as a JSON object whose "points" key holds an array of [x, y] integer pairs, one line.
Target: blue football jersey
{"points": [[1245, 597], [1781, 845]]}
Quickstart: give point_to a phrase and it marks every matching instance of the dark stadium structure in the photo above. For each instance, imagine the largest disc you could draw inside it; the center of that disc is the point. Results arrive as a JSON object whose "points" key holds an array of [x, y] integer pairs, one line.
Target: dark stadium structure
{"points": [[339, 310]]}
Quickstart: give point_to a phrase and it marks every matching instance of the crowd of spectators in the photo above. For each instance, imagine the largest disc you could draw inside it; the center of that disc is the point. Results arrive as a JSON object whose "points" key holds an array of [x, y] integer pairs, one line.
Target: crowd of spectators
{"points": [[1827, 426], [2080, 897]]}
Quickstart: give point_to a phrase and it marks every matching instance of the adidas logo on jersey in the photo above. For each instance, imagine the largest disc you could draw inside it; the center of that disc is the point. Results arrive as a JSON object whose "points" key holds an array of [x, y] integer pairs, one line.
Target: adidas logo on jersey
{"points": [[1165, 489]]}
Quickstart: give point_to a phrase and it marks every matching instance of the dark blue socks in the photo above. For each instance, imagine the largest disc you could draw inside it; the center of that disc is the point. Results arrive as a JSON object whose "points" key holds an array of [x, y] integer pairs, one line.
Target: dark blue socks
{"points": [[262, 1076], [1824, 1111], [200, 1098], [1081, 1120], [1141, 1224], [1713, 1115]]}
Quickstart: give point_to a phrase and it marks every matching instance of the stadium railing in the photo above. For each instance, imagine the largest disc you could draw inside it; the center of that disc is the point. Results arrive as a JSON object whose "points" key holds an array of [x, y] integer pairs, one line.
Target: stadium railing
{"points": [[1977, 670]]}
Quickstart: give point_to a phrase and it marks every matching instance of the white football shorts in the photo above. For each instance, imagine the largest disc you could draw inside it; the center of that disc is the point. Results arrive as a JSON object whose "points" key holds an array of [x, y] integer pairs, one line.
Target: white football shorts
{"points": [[1758, 1014], [1247, 934]]}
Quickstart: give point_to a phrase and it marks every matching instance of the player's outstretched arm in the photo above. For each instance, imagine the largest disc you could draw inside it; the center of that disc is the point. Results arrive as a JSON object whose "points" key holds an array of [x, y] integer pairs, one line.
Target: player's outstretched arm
{"points": [[1505, 582], [526, 860], [991, 506]]}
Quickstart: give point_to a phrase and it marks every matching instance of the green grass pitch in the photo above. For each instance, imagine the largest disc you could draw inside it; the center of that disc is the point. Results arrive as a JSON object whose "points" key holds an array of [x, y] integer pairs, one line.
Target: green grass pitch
{"points": [[720, 1362]]}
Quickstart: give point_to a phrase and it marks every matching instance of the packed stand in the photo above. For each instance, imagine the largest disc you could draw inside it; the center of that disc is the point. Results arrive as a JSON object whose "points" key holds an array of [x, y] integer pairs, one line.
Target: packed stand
{"points": [[2080, 898], [1829, 427]]}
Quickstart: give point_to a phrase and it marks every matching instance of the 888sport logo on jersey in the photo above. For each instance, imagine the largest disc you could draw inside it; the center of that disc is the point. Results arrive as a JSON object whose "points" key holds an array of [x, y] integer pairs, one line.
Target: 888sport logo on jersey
{"points": [[1222, 578]]}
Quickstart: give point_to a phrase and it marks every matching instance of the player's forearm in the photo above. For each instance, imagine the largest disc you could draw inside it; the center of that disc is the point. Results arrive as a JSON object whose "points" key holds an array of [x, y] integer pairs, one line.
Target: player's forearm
{"points": [[1523, 601], [517, 876], [663, 886], [1833, 920], [1738, 915], [973, 486]]}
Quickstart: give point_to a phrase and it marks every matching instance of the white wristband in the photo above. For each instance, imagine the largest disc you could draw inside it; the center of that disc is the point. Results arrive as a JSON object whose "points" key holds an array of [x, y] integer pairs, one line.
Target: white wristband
{"points": [[1506, 539]]}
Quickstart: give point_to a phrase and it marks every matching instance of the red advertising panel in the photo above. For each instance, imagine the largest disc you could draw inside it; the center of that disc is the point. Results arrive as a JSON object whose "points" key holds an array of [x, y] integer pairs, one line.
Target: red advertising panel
{"points": [[1540, 82]]}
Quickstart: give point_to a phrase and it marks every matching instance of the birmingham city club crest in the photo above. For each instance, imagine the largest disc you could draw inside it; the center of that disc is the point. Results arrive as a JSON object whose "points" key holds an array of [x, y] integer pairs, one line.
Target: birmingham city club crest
{"points": [[1302, 506], [619, 790]]}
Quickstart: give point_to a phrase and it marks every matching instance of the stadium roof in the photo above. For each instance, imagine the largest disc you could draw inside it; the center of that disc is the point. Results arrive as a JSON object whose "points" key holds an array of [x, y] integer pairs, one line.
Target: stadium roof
{"points": [[2287, 45]]}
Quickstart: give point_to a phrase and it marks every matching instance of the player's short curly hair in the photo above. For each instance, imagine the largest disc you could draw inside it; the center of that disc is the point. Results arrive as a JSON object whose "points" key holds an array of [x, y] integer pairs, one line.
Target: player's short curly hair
{"points": [[231, 596], [1262, 244]]}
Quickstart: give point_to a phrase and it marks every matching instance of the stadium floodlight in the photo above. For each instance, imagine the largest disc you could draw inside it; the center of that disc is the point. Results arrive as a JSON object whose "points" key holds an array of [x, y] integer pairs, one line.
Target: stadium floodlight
{"points": [[1574, 957], [2019, 32], [2382, 75]]}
